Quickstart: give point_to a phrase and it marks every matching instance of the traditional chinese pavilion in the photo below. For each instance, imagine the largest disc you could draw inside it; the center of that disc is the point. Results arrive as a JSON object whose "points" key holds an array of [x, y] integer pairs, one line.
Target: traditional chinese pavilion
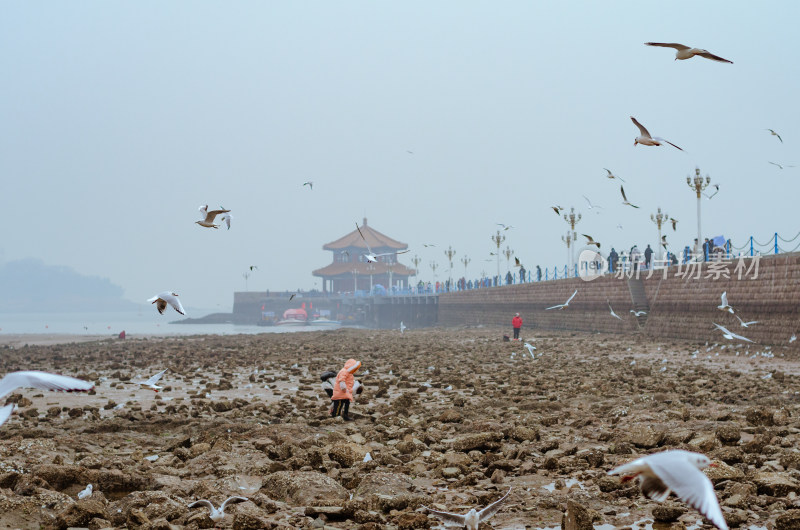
{"points": [[350, 270]]}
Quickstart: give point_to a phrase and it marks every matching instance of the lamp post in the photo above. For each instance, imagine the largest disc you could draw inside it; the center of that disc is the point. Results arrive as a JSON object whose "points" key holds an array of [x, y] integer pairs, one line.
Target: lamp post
{"points": [[355, 281], [246, 275], [572, 220], [508, 253], [568, 241], [416, 261], [698, 185], [498, 240], [450, 253], [390, 266], [434, 266], [659, 218], [371, 271], [465, 260]]}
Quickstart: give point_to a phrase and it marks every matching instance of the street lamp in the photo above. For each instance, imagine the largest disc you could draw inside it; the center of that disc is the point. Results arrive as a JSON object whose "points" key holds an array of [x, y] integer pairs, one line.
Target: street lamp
{"points": [[355, 280], [465, 260], [246, 275], [370, 270], [508, 253], [416, 261], [568, 241], [658, 219], [450, 253], [572, 220], [698, 185], [434, 266], [498, 240]]}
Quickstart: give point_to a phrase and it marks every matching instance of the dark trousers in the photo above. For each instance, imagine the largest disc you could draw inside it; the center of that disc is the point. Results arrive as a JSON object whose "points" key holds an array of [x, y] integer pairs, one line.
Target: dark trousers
{"points": [[341, 407], [516, 333]]}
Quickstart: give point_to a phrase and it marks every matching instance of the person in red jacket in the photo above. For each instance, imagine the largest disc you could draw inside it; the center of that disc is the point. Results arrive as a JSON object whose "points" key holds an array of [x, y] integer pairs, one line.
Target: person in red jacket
{"points": [[516, 323], [343, 389]]}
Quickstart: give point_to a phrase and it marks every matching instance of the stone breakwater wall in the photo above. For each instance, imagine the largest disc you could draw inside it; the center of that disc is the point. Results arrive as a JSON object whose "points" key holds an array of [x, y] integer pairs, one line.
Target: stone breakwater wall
{"points": [[679, 307]]}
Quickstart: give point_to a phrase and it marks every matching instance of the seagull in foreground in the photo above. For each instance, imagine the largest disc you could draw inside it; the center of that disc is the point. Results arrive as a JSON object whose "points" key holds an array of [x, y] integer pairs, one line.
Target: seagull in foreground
{"points": [[729, 334], [151, 383], [43, 381], [530, 348], [214, 514], [208, 217], [310, 184], [87, 492], [624, 198], [565, 304], [402, 327], [779, 165], [716, 190], [167, 297], [613, 314], [745, 324], [472, 519], [591, 206], [373, 258], [645, 139], [638, 313], [590, 241], [724, 305], [678, 471], [612, 176], [775, 134], [686, 52]]}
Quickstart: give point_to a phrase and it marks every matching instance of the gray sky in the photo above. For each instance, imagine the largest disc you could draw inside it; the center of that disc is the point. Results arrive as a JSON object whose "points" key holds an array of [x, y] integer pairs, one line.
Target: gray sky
{"points": [[119, 119]]}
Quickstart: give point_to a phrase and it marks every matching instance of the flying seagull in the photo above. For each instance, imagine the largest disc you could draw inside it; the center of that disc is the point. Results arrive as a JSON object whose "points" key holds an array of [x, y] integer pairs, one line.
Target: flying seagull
{"points": [[208, 217], [780, 166], [638, 313], [775, 134], [590, 241], [373, 258], [724, 305], [674, 222], [517, 262], [167, 297], [151, 383], [293, 295], [745, 324], [473, 518], [214, 514], [530, 348], [613, 314], [565, 304], [310, 184], [426, 245], [557, 209], [729, 334], [590, 203], [505, 227], [644, 137], [253, 267], [43, 381], [402, 327], [716, 190], [624, 198], [685, 52], [226, 218], [678, 471], [612, 176]]}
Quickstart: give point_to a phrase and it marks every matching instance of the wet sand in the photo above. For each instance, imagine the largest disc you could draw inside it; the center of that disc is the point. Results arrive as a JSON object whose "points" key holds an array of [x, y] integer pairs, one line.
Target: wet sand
{"points": [[450, 418]]}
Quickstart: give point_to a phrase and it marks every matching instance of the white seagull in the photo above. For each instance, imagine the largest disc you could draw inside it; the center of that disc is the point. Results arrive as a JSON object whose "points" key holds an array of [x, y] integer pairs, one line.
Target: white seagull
{"points": [[86, 492], [729, 334], [746, 324], [792, 338], [167, 297], [612, 176], [43, 381], [613, 314], [530, 348], [565, 304], [226, 218], [638, 313], [686, 52], [473, 518], [644, 137], [591, 206], [208, 217], [151, 383], [214, 514], [624, 198], [373, 258], [402, 327], [724, 305], [678, 471], [716, 190]]}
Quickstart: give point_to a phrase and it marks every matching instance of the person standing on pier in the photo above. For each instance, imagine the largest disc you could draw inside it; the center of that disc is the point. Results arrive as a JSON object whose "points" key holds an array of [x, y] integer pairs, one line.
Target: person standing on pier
{"points": [[516, 323]]}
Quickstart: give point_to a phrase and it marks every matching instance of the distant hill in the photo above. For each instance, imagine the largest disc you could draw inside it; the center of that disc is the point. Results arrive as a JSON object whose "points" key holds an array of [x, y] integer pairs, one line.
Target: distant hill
{"points": [[30, 286]]}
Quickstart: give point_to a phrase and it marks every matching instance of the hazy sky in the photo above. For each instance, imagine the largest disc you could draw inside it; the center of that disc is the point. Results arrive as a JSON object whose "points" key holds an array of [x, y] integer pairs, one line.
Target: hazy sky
{"points": [[119, 119]]}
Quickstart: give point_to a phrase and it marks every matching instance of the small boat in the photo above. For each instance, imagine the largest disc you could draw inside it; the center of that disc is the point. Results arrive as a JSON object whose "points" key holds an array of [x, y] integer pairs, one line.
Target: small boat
{"points": [[294, 317]]}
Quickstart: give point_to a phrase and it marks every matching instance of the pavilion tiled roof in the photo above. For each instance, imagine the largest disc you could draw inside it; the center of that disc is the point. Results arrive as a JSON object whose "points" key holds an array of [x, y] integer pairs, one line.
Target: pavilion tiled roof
{"points": [[375, 239], [345, 268]]}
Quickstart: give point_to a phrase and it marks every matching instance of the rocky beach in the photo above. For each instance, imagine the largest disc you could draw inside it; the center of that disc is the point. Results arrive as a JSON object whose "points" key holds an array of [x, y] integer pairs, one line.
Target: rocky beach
{"points": [[449, 419]]}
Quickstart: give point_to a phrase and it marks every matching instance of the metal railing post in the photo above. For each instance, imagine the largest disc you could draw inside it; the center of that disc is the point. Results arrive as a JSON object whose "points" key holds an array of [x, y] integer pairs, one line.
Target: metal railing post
{"points": [[776, 242], [751, 246]]}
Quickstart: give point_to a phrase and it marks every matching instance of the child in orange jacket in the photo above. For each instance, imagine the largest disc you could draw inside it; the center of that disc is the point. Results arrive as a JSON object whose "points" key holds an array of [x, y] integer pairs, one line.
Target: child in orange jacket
{"points": [[343, 389]]}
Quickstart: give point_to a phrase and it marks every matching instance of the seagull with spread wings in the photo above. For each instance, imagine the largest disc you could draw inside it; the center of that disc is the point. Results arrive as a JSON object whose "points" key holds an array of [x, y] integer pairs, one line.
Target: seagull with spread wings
{"points": [[591, 206], [613, 314], [557, 209], [590, 241], [644, 137], [624, 198], [215, 514], [746, 324], [612, 176], [674, 223], [565, 304], [371, 257], [780, 166], [724, 305], [473, 518], [208, 217], [686, 52], [729, 334], [773, 133], [309, 183], [41, 380], [150, 383], [167, 297], [716, 190]]}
